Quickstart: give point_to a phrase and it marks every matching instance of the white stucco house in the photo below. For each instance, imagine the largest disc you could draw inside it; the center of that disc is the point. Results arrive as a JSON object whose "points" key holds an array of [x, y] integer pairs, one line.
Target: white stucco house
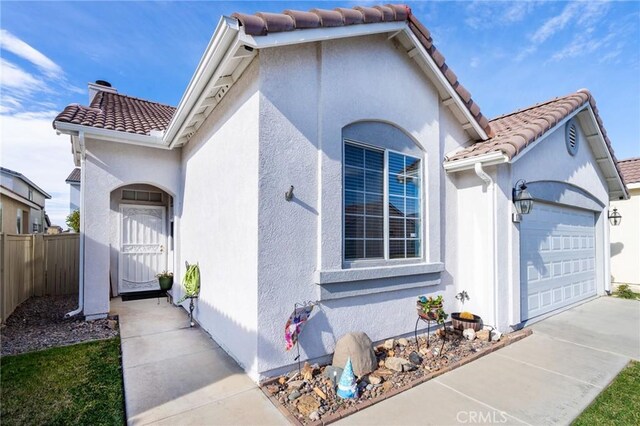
{"points": [[402, 187], [625, 238], [73, 180]]}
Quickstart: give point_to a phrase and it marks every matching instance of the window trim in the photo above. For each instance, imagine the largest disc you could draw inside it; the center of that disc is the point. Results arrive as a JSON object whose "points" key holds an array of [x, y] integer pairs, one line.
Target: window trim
{"points": [[386, 261]]}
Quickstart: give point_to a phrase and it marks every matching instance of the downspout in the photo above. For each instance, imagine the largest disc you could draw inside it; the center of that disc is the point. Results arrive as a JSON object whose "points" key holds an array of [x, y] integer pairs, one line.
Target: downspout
{"points": [[82, 228], [492, 207]]}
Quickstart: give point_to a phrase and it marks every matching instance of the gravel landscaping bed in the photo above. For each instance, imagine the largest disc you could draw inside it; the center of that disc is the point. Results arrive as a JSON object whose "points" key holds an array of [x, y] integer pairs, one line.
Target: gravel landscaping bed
{"points": [[39, 323], [309, 397]]}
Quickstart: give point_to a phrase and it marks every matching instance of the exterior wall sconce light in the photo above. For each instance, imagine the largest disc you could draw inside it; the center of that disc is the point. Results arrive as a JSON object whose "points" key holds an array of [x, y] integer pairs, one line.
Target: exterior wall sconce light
{"points": [[522, 200], [614, 217], [289, 194]]}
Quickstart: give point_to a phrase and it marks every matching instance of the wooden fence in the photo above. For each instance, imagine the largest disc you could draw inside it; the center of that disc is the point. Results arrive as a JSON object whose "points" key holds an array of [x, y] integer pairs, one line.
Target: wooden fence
{"points": [[36, 265]]}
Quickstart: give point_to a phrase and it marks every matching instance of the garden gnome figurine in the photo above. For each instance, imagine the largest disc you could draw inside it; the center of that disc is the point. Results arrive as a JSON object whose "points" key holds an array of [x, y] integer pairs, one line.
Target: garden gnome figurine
{"points": [[347, 387]]}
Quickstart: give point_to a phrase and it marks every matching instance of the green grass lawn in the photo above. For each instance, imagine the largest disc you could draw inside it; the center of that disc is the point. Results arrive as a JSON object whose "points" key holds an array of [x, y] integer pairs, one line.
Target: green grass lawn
{"points": [[72, 385], [619, 404]]}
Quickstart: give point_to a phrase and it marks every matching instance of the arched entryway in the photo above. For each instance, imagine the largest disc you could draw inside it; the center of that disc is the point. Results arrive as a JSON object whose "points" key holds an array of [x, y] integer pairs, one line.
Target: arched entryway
{"points": [[141, 227]]}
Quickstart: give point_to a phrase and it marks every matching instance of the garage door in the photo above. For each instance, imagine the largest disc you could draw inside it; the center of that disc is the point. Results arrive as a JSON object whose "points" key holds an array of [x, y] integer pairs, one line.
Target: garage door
{"points": [[557, 258]]}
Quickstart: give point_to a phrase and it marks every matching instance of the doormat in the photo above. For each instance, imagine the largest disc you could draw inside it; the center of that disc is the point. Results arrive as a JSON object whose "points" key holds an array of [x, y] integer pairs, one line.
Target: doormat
{"points": [[139, 295]]}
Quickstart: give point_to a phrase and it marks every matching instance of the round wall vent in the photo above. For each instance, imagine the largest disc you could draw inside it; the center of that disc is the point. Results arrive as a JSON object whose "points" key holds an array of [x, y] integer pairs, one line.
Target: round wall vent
{"points": [[571, 137]]}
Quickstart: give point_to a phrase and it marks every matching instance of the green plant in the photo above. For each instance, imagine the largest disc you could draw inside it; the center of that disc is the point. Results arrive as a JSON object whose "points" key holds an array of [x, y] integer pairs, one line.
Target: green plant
{"points": [[191, 282], [625, 292], [73, 220], [165, 274]]}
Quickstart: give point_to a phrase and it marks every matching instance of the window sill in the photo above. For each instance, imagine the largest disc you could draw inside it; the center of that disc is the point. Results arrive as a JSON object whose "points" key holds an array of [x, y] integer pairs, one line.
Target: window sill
{"points": [[369, 281], [371, 273]]}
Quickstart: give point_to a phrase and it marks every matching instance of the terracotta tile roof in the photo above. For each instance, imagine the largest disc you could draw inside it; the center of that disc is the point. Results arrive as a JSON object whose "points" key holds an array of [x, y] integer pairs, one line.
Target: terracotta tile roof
{"points": [[74, 176], [630, 169], [261, 24], [517, 130], [114, 111]]}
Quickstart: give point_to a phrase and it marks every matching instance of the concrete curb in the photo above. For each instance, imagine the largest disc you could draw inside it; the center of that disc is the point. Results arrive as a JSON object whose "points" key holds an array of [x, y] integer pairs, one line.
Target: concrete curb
{"points": [[334, 417]]}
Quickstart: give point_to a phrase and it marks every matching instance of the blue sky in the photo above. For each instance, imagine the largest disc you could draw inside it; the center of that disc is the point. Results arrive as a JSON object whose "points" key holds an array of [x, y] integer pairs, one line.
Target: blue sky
{"points": [[508, 54]]}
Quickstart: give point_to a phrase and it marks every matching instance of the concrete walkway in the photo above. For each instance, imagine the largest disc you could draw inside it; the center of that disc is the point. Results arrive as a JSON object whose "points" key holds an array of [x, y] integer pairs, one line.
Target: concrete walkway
{"points": [[177, 375], [547, 378]]}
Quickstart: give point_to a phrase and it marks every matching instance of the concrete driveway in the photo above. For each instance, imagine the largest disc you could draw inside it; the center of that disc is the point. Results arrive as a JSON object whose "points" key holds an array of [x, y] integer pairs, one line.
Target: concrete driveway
{"points": [[547, 378]]}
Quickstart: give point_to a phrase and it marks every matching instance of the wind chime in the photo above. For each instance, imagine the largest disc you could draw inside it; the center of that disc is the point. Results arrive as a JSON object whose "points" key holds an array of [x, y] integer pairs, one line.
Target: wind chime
{"points": [[295, 323]]}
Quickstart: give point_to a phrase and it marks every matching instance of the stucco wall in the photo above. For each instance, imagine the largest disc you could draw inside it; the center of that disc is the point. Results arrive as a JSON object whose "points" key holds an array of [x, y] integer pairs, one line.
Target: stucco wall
{"points": [[549, 160], [309, 93], [10, 209], [218, 220], [106, 170], [625, 241], [74, 197]]}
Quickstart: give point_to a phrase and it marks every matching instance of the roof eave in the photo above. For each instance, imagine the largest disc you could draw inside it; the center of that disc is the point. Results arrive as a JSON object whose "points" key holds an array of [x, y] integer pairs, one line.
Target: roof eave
{"points": [[207, 83], [489, 159], [148, 141]]}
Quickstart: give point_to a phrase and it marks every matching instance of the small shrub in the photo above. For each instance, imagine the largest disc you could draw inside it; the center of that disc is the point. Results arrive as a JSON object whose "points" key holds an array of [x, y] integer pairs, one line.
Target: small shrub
{"points": [[625, 292], [466, 315], [73, 220]]}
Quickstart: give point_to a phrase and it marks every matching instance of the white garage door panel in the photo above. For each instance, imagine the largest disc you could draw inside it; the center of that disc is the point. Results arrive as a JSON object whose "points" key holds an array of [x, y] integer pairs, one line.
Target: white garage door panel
{"points": [[557, 255]]}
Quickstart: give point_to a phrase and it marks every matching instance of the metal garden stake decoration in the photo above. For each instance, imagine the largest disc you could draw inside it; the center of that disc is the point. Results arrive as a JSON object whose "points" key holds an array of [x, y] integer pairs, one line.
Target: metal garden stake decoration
{"points": [[191, 284]]}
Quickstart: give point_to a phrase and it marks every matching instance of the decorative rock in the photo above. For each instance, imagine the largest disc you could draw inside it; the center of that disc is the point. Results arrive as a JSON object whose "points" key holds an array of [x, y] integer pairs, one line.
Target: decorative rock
{"points": [[307, 404], [369, 387], [282, 380], [408, 367], [415, 358], [307, 372], [389, 344], [386, 386], [320, 393], [296, 384], [469, 333], [483, 335], [359, 348], [112, 324], [395, 364], [375, 380], [403, 342], [495, 335], [333, 373], [314, 416], [273, 389], [294, 395]]}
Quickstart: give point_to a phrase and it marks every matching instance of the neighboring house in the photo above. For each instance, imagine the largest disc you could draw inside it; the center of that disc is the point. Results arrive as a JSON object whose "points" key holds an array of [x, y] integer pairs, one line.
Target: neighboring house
{"points": [[625, 238], [22, 204], [74, 189], [402, 187]]}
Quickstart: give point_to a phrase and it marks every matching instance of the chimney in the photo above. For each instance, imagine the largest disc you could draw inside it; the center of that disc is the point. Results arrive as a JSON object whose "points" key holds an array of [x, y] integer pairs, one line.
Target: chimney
{"points": [[99, 86]]}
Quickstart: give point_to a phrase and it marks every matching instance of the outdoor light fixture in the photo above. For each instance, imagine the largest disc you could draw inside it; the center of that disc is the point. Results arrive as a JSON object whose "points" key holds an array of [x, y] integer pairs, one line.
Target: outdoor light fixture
{"points": [[522, 200], [614, 217]]}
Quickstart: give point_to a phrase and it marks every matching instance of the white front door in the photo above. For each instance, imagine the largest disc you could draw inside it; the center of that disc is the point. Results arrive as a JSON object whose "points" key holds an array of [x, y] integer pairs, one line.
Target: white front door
{"points": [[557, 258], [143, 242]]}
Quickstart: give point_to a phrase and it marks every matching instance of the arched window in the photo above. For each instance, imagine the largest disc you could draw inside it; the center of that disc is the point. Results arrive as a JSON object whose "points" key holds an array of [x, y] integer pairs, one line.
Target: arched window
{"points": [[382, 193]]}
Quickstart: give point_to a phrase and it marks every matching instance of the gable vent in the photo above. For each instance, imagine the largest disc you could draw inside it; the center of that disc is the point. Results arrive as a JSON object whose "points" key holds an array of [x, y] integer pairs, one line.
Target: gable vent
{"points": [[571, 137]]}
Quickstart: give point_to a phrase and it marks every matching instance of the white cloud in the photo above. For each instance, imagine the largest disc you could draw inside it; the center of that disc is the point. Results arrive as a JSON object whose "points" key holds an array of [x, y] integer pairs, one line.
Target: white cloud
{"points": [[582, 16], [555, 24], [30, 146], [14, 77], [13, 44], [484, 14]]}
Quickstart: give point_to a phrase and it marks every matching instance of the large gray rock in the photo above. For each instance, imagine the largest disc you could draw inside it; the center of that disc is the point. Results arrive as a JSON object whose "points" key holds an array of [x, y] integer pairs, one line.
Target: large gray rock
{"points": [[358, 346]]}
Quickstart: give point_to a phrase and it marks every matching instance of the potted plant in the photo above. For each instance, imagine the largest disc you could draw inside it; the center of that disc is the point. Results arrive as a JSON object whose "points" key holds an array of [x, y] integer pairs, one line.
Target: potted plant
{"points": [[165, 279], [428, 307], [463, 320]]}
